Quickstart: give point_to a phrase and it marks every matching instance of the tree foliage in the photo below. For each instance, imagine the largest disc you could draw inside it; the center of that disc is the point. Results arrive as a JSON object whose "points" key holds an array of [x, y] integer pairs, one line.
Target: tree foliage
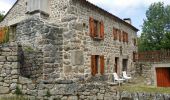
{"points": [[154, 36], [1, 16]]}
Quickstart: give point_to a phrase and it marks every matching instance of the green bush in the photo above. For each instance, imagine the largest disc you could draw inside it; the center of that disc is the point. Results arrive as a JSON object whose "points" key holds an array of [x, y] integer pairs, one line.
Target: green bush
{"points": [[18, 91], [48, 94]]}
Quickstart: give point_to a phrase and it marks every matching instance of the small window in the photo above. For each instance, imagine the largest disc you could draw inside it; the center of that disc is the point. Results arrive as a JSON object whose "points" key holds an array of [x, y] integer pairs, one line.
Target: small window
{"points": [[96, 28], [13, 32], [97, 64], [38, 5]]}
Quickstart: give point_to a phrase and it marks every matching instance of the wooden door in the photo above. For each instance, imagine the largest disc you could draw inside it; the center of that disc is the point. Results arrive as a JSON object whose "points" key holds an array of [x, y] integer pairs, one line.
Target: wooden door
{"points": [[163, 77]]}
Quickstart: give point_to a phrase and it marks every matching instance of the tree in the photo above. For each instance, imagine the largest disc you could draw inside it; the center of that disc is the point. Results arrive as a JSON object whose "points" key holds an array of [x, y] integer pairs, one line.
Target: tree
{"points": [[166, 41], [1, 16], [153, 29]]}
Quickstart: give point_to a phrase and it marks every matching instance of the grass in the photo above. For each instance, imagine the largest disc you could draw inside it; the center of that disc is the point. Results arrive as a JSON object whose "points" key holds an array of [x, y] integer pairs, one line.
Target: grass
{"points": [[139, 85]]}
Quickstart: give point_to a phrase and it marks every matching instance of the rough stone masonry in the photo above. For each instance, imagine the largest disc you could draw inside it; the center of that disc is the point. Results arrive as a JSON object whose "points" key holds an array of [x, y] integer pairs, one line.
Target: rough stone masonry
{"points": [[49, 56]]}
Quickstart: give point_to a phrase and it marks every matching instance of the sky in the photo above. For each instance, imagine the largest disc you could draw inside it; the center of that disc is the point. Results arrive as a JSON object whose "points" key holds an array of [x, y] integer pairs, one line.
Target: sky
{"points": [[134, 9]]}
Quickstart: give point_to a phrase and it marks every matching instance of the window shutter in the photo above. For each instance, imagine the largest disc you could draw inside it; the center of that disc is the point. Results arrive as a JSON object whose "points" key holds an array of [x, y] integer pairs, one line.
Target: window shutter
{"points": [[91, 27], [101, 65], [1, 35], [127, 37], [120, 35], [123, 36], [93, 65], [114, 33], [101, 30]]}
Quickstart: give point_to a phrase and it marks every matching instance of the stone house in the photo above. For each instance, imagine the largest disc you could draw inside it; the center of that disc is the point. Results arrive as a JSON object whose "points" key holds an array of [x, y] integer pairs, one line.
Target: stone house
{"points": [[73, 38]]}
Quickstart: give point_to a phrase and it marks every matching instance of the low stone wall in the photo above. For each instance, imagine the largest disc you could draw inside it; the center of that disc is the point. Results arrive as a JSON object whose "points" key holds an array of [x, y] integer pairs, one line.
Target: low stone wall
{"points": [[8, 67], [21, 69], [145, 70]]}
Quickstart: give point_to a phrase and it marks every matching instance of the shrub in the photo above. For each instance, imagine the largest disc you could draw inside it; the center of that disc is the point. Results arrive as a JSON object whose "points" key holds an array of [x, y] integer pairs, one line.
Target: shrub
{"points": [[18, 91], [48, 94]]}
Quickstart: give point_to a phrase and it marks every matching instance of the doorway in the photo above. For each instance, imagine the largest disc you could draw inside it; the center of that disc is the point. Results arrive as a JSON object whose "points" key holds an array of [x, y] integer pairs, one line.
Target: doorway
{"points": [[116, 64], [124, 63]]}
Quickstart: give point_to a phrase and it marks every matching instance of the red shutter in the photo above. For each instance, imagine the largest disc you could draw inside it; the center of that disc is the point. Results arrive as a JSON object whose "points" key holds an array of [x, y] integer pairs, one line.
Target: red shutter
{"points": [[114, 33], [101, 30], [101, 65], [127, 37], [1, 35], [120, 36], [93, 65], [91, 27], [124, 35]]}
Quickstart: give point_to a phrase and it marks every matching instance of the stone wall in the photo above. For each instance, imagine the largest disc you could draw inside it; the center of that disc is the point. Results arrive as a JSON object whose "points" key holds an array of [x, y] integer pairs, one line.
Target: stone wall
{"points": [[17, 68], [78, 41], [8, 67], [31, 63], [95, 88], [73, 17]]}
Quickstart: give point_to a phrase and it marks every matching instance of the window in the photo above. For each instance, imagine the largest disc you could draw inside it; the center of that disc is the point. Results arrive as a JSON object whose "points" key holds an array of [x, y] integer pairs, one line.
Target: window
{"points": [[38, 5], [12, 32], [97, 64], [96, 29]]}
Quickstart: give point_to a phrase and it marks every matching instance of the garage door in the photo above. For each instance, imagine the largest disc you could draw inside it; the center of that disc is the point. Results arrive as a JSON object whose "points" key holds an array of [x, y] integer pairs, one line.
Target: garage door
{"points": [[163, 77]]}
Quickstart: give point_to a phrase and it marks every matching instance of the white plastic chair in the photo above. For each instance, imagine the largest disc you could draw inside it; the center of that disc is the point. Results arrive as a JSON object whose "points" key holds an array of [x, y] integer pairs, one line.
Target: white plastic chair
{"points": [[116, 78], [125, 76]]}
